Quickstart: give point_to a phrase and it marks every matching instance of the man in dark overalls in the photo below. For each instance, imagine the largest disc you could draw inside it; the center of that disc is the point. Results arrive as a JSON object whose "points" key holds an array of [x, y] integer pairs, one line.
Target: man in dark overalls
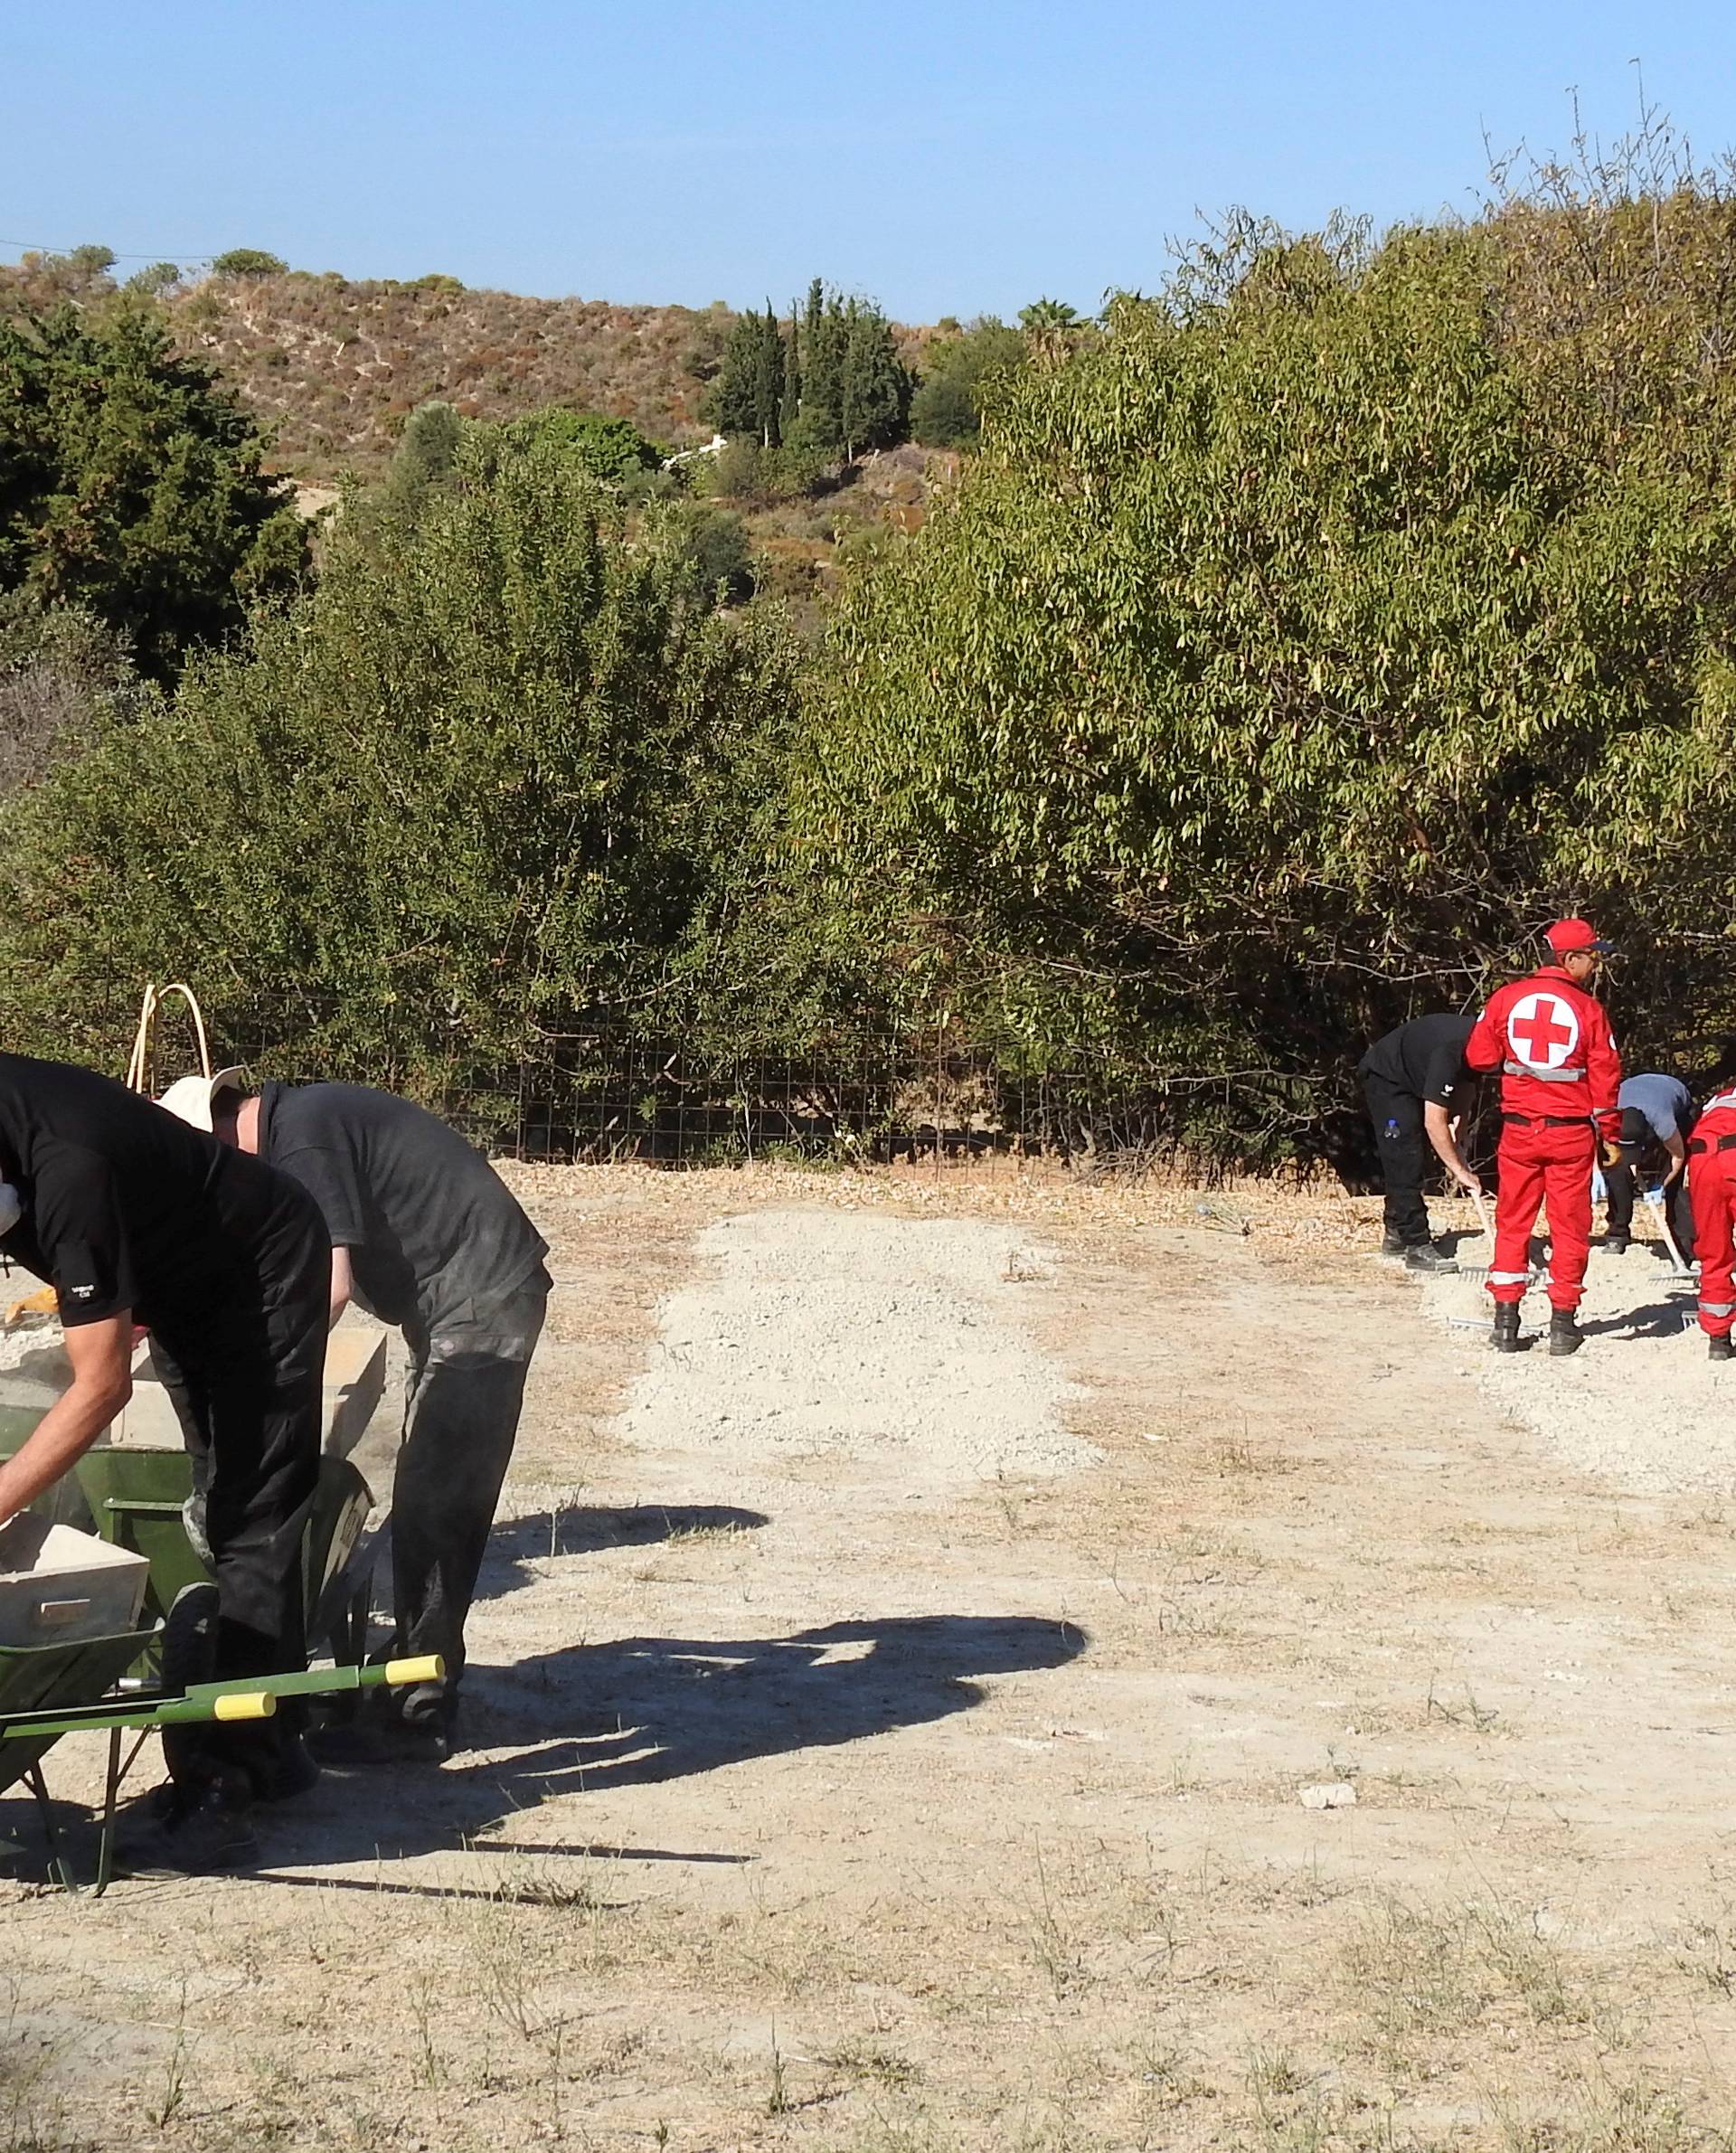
{"points": [[424, 1235]]}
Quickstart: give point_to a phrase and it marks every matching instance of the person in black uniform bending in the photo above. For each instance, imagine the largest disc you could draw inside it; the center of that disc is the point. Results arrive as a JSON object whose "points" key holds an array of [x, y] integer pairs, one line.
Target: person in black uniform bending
{"points": [[1414, 1080], [133, 1218], [425, 1235]]}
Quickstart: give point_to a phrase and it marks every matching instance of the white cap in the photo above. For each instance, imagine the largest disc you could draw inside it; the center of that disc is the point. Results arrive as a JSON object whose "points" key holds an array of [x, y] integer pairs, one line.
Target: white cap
{"points": [[190, 1099]]}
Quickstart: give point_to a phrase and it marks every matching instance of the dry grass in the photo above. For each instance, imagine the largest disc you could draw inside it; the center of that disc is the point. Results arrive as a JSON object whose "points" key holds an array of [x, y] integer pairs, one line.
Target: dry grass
{"points": [[1057, 1910]]}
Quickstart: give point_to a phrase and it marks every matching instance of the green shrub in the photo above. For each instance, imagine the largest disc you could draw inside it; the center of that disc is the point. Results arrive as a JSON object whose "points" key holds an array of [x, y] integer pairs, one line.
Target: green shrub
{"points": [[248, 261], [490, 776], [1290, 654], [131, 483]]}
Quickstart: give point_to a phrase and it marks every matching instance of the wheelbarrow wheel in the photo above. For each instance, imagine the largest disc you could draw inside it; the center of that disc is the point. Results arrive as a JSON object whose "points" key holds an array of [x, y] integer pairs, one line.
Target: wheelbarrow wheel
{"points": [[189, 1657], [346, 1640]]}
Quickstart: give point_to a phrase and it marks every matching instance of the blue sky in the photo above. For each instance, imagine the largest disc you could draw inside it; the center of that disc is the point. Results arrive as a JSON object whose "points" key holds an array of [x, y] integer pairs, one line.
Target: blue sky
{"points": [[953, 158]]}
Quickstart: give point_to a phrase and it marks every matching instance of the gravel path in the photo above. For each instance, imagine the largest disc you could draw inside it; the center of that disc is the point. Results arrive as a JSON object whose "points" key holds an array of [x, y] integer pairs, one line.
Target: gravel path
{"points": [[1640, 1402]]}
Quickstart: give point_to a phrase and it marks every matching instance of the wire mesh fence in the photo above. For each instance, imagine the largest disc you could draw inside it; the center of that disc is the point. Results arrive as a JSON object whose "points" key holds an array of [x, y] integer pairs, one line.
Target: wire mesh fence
{"points": [[598, 1096], [590, 1097], [876, 1095]]}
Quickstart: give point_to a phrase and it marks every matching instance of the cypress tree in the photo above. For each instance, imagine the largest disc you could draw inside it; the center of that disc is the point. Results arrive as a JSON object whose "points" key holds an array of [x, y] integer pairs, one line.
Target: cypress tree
{"points": [[769, 379], [875, 390], [735, 398], [792, 403]]}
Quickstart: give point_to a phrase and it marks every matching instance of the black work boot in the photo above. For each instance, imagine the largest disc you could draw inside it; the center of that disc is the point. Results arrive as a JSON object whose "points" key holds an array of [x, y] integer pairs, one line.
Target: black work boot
{"points": [[1424, 1256], [1393, 1244], [1616, 1241], [1564, 1335], [1505, 1335], [1721, 1349]]}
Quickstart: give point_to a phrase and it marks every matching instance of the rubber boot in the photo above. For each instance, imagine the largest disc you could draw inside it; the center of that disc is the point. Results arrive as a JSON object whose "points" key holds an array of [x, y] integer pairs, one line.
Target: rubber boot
{"points": [[1721, 1349], [1564, 1337], [1505, 1335]]}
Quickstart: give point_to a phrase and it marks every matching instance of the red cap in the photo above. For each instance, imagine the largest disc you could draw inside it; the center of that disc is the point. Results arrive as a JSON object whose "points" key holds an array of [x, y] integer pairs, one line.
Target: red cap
{"points": [[1568, 935]]}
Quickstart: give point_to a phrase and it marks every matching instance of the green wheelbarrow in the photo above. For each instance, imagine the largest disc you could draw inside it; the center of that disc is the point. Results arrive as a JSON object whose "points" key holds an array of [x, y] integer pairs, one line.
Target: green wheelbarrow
{"points": [[155, 1675], [136, 1498]]}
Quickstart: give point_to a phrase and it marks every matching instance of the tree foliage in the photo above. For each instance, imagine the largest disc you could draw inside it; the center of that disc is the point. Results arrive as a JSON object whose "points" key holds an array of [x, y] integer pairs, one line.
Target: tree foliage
{"points": [[1294, 651], [854, 389], [958, 374], [63, 673], [611, 449], [248, 261], [131, 484], [492, 775], [749, 394]]}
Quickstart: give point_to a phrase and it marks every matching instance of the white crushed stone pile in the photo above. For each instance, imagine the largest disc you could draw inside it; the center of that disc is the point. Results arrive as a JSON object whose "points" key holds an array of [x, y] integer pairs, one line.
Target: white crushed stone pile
{"points": [[1640, 1402], [899, 1343]]}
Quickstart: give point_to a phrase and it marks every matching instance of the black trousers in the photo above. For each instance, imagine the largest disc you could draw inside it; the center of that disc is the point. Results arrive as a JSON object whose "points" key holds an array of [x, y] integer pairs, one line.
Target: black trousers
{"points": [[1619, 1188], [1405, 1152], [465, 1394], [249, 1401]]}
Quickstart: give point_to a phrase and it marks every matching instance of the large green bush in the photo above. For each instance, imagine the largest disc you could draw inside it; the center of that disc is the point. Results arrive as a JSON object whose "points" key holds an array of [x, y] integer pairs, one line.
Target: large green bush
{"points": [[131, 484], [1292, 651], [491, 778]]}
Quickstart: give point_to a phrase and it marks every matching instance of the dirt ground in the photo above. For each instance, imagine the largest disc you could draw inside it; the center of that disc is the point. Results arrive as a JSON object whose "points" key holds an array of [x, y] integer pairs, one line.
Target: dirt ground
{"points": [[918, 1773]]}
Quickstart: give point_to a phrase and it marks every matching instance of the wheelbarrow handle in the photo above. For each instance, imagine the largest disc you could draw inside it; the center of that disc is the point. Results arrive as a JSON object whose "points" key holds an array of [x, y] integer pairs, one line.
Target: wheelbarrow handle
{"points": [[169, 1712], [324, 1682], [252, 1697]]}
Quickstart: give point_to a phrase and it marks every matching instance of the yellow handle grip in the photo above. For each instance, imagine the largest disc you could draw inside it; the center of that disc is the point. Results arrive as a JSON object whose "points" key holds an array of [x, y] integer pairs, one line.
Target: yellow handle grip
{"points": [[400, 1672], [245, 1704]]}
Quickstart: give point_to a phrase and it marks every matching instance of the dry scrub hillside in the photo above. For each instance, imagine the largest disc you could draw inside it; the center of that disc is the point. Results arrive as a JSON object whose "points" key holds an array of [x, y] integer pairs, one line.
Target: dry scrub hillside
{"points": [[336, 365]]}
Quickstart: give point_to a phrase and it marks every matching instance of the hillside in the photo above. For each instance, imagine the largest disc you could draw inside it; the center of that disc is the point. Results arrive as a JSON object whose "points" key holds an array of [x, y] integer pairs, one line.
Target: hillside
{"points": [[336, 365]]}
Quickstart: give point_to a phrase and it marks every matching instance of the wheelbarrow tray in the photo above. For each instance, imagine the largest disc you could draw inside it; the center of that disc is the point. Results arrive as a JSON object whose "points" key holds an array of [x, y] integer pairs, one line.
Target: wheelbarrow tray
{"points": [[136, 1497], [33, 1677]]}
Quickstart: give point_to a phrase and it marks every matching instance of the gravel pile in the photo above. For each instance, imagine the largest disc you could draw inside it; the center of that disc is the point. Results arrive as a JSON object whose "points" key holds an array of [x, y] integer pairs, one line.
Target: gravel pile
{"points": [[899, 1342]]}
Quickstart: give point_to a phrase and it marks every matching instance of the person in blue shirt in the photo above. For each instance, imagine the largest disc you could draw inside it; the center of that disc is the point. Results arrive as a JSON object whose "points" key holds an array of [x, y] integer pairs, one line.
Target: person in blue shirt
{"points": [[1657, 1114]]}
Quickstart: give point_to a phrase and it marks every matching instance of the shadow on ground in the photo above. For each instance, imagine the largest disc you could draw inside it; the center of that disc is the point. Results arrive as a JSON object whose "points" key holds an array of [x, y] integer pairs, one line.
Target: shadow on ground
{"points": [[1657, 1319], [630, 1714], [583, 1531], [645, 1710]]}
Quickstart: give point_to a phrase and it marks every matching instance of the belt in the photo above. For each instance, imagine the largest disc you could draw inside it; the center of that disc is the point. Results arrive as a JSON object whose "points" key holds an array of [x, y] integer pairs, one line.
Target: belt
{"points": [[1552, 1120], [1697, 1145], [1545, 1076]]}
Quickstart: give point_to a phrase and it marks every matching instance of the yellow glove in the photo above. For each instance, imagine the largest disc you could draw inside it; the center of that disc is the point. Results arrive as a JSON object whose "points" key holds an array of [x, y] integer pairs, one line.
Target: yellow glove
{"points": [[1609, 1152]]}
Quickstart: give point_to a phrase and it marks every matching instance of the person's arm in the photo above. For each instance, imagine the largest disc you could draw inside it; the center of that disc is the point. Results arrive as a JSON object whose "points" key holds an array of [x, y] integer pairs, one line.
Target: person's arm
{"points": [[1442, 1133], [343, 1284], [102, 1357], [1676, 1144], [1485, 1049]]}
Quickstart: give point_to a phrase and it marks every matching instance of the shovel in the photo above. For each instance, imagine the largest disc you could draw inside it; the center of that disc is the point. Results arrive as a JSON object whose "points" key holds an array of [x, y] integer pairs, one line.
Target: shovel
{"points": [[1656, 1198]]}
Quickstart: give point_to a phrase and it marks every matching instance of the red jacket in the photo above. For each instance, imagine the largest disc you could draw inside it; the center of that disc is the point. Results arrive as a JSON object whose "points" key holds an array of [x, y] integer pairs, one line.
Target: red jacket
{"points": [[1717, 1119], [1552, 1044]]}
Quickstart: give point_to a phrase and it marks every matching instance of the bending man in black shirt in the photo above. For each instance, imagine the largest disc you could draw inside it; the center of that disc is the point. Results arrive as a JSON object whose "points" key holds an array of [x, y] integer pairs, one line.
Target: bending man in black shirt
{"points": [[427, 1236], [133, 1218], [1414, 1080]]}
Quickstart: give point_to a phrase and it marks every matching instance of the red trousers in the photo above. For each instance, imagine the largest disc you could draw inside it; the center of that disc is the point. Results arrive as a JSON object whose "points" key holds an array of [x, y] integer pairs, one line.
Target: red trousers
{"points": [[1711, 1185], [1541, 1165]]}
